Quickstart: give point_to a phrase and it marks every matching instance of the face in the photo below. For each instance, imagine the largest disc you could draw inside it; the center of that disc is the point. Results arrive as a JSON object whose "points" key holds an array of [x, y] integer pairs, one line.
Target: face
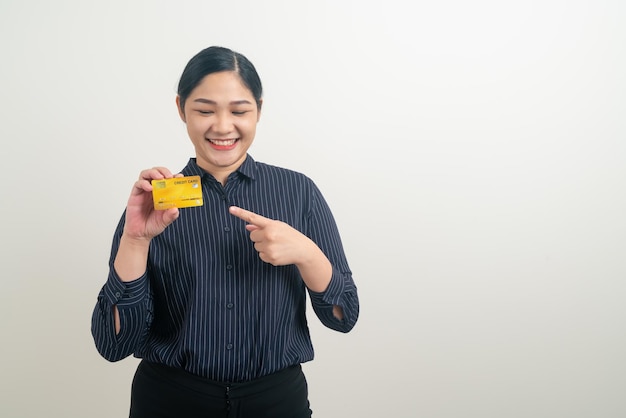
{"points": [[221, 115]]}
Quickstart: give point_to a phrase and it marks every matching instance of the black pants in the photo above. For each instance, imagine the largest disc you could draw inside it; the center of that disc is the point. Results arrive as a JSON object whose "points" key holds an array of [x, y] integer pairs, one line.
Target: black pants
{"points": [[164, 392]]}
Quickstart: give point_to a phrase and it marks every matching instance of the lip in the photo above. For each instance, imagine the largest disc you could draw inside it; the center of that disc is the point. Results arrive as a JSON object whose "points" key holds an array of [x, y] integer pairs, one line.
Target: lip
{"points": [[223, 144]]}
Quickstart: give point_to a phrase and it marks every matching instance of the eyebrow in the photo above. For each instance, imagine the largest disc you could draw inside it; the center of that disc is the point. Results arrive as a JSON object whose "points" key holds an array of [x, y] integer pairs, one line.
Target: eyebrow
{"points": [[212, 102]]}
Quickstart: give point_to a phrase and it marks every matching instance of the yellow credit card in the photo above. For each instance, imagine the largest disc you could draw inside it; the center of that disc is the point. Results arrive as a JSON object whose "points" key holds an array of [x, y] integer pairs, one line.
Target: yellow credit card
{"points": [[177, 192]]}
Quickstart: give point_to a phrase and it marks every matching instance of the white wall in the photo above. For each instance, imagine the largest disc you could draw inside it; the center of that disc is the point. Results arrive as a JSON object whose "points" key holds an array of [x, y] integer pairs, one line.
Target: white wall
{"points": [[473, 153]]}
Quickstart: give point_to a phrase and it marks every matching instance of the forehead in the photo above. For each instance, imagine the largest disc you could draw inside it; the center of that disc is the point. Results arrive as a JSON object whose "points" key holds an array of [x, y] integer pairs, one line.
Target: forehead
{"points": [[224, 84]]}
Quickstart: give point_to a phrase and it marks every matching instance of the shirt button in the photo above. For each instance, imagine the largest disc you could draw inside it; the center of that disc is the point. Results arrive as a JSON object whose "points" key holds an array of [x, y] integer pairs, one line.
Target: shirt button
{"points": [[227, 229], [229, 346], [230, 306], [229, 267], [223, 197], [118, 294]]}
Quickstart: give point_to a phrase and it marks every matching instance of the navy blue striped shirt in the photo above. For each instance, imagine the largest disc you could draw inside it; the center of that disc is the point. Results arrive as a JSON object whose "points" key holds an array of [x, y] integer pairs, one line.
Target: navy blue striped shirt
{"points": [[207, 303]]}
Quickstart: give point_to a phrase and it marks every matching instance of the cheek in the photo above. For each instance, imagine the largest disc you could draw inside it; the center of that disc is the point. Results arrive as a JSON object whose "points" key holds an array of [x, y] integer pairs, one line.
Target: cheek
{"points": [[196, 127], [249, 125]]}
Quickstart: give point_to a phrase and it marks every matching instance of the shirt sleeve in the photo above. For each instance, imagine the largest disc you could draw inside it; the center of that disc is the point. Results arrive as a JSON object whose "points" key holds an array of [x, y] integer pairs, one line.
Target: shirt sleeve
{"points": [[341, 290], [134, 305]]}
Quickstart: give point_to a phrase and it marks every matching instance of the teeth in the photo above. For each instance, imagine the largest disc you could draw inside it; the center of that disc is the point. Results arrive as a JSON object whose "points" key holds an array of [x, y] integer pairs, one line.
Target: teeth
{"points": [[225, 142]]}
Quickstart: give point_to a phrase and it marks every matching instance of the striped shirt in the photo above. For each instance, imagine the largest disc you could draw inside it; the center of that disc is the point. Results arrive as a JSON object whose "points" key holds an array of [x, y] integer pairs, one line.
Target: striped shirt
{"points": [[207, 303]]}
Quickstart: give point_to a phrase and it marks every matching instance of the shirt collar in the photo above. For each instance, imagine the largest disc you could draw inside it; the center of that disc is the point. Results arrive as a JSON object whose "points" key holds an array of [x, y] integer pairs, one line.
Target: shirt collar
{"points": [[248, 168]]}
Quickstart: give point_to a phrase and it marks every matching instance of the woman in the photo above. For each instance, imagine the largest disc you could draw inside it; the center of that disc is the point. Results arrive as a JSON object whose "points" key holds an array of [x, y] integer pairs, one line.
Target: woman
{"points": [[212, 298]]}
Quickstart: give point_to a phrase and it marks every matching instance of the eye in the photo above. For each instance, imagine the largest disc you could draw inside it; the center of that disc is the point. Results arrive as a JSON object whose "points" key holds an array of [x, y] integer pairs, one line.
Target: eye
{"points": [[240, 112], [205, 112]]}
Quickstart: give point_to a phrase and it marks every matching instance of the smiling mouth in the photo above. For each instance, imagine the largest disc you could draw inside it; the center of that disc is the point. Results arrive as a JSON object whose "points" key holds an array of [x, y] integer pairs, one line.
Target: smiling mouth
{"points": [[223, 142]]}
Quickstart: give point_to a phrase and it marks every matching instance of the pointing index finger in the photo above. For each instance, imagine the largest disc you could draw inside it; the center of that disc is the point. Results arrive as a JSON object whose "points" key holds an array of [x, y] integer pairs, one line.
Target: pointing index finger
{"points": [[250, 217]]}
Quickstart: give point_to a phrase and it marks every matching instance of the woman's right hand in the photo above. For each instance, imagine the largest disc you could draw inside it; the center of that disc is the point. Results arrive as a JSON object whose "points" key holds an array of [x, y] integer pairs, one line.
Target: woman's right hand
{"points": [[143, 222]]}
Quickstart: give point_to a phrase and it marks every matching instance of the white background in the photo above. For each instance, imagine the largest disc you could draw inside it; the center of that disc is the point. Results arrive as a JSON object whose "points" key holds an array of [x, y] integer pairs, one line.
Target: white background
{"points": [[473, 154]]}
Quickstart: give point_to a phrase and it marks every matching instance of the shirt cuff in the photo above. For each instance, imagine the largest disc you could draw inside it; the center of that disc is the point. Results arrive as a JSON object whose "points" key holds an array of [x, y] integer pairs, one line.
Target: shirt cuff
{"points": [[333, 293], [122, 293]]}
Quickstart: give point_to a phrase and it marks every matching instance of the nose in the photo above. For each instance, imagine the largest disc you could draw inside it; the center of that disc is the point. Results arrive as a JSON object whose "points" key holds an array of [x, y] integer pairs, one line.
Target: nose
{"points": [[223, 123]]}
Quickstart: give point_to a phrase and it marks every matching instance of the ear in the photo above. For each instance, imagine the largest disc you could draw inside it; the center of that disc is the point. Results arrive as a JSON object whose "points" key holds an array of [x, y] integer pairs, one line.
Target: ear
{"points": [[181, 112], [258, 113]]}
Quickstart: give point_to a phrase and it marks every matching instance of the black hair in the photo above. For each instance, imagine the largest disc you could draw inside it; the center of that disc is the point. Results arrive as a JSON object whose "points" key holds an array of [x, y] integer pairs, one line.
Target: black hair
{"points": [[216, 59]]}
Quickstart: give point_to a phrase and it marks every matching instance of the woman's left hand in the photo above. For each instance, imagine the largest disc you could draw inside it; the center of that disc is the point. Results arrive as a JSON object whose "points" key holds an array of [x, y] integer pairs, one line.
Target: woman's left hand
{"points": [[276, 242]]}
